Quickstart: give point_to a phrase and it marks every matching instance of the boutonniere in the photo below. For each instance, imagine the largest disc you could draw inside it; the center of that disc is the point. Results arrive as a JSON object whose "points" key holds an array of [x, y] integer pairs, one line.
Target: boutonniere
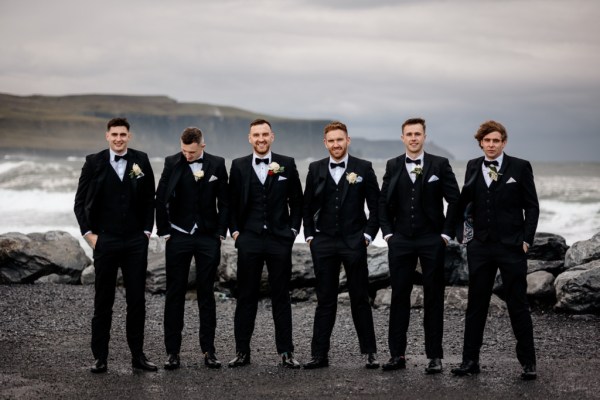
{"points": [[198, 175], [136, 172], [418, 171], [353, 178], [275, 168], [493, 173]]}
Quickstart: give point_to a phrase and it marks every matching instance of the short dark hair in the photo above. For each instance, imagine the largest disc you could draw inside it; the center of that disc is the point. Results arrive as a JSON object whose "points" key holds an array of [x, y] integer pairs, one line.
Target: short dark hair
{"points": [[260, 121], [414, 121], [335, 125], [191, 135], [488, 127], [117, 122]]}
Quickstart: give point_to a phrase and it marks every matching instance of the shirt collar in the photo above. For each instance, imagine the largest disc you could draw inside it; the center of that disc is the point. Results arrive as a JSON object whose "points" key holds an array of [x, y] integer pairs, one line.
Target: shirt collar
{"points": [[499, 159], [344, 160], [113, 154], [268, 155], [419, 157]]}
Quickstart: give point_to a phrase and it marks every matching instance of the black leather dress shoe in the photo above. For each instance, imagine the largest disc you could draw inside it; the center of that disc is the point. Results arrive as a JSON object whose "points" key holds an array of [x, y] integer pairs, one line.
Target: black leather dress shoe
{"points": [[141, 362], [372, 362], [210, 360], [317, 362], [529, 372], [396, 362], [240, 360], [468, 367], [288, 360], [172, 362], [434, 366], [99, 366]]}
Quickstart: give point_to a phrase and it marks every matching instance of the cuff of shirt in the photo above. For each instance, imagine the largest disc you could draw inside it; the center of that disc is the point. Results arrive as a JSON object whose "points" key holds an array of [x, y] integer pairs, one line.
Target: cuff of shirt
{"points": [[446, 237], [368, 237], [386, 237], [308, 239], [87, 233]]}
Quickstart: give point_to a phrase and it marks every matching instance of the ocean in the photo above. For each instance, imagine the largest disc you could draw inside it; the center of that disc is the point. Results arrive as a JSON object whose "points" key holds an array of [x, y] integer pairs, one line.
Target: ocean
{"points": [[37, 194]]}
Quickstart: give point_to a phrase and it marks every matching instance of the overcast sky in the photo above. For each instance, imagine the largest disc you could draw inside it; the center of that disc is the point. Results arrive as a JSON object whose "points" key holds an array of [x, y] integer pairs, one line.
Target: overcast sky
{"points": [[532, 65]]}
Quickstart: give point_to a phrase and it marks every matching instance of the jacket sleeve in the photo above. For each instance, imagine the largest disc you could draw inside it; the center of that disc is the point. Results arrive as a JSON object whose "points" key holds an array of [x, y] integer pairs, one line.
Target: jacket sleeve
{"points": [[235, 197], [451, 194], [309, 192], [295, 197], [148, 195], [372, 198], [83, 187], [531, 205], [385, 219], [222, 199], [162, 198]]}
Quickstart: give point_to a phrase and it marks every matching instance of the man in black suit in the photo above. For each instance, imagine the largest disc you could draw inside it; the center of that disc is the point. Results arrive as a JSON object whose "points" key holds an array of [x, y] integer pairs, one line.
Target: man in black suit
{"points": [[266, 213], [338, 232], [411, 213], [114, 206], [191, 213], [502, 213]]}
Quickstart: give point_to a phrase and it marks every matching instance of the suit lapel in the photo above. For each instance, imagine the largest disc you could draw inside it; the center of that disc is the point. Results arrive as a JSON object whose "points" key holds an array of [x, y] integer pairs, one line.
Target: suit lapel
{"points": [[205, 167], [426, 169], [502, 174], [322, 177], [399, 170], [247, 171], [178, 169], [271, 178], [345, 184]]}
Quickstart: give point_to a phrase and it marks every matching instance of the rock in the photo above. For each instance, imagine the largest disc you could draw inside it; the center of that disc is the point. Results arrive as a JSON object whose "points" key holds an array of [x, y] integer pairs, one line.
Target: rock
{"points": [[554, 267], [457, 298], [55, 278], [548, 247], [384, 297], [578, 289], [456, 269], [88, 276], [26, 258], [583, 252], [303, 294], [540, 285]]}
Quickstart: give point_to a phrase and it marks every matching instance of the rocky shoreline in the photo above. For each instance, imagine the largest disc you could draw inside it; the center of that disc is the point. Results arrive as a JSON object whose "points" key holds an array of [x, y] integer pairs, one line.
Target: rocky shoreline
{"points": [[560, 277]]}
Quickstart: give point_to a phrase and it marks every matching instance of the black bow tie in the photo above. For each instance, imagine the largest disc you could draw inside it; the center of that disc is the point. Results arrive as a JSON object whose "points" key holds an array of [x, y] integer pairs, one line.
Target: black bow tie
{"points": [[257, 161], [335, 165], [488, 163], [199, 161], [124, 157], [411, 161]]}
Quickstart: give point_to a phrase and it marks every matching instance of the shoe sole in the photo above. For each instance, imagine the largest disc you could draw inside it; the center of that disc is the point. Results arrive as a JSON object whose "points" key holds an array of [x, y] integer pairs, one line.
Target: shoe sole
{"points": [[372, 366]]}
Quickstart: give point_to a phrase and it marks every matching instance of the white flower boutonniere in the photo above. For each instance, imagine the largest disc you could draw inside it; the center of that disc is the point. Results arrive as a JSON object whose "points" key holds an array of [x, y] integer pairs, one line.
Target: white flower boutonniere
{"points": [[275, 168], [136, 172], [198, 175], [353, 178], [418, 171], [493, 173]]}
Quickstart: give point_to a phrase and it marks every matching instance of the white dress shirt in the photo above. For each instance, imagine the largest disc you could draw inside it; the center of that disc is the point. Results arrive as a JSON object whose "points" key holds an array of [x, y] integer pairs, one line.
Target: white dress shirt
{"points": [[486, 170]]}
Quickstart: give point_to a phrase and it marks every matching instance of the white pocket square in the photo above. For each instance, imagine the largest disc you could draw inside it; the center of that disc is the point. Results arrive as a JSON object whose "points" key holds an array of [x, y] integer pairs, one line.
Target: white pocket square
{"points": [[510, 180], [212, 178], [433, 178], [281, 178]]}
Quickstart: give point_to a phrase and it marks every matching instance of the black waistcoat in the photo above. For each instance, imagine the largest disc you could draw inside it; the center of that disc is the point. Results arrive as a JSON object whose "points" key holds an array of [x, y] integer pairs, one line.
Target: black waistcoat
{"points": [[116, 214], [257, 216], [484, 215], [410, 218], [183, 207], [329, 217]]}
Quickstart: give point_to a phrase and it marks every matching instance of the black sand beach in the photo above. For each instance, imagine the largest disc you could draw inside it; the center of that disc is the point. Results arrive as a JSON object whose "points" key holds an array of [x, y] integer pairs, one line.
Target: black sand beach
{"points": [[45, 334]]}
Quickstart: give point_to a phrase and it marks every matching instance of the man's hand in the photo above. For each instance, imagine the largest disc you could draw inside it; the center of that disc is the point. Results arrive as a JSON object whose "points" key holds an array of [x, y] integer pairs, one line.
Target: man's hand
{"points": [[525, 247], [91, 239], [235, 235]]}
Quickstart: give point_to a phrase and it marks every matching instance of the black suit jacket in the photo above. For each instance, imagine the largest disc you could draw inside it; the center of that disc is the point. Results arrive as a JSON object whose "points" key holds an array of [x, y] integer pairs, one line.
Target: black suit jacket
{"points": [[516, 203], [352, 213], [433, 192], [284, 192], [214, 197], [94, 173]]}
